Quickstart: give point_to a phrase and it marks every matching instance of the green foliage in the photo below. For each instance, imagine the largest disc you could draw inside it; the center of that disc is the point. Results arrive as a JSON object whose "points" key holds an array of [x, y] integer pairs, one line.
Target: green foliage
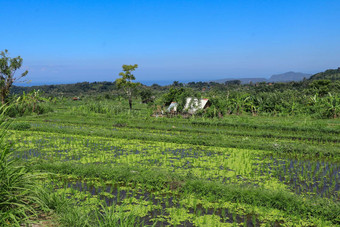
{"points": [[276, 103], [102, 107], [26, 104], [330, 74], [319, 100], [18, 188], [232, 82], [172, 96], [8, 67], [146, 95], [270, 198], [179, 95], [126, 81], [322, 87], [20, 126], [110, 108], [71, 90], [127, 168]]}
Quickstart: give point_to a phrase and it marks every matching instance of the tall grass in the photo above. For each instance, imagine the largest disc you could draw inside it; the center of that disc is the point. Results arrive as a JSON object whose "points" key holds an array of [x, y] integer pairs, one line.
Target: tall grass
{"points": [[108, 108], [29, 103], [18, 191]]}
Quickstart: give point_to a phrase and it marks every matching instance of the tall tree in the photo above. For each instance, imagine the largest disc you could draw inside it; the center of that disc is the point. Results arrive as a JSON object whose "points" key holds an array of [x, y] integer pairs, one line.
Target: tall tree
{"points": [[126, 81], [8, 67]]}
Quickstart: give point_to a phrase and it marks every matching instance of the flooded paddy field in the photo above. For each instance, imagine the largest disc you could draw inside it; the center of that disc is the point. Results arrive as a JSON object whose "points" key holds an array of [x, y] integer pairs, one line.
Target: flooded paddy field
{"points": [[182, 172]]}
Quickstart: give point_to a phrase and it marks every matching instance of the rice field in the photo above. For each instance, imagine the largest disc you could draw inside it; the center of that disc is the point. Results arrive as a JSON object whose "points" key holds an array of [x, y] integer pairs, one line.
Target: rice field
{"points": [[130, 169]]}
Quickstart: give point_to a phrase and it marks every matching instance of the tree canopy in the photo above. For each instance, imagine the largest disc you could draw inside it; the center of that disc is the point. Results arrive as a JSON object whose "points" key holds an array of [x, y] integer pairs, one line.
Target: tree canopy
{"points": [[8, 67], [126, 81]]}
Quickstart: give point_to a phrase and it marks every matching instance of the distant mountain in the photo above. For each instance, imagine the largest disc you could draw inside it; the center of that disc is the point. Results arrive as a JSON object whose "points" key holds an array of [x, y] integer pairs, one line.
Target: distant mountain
{"points": [[330, 74], [284, 77], [288, 76]]}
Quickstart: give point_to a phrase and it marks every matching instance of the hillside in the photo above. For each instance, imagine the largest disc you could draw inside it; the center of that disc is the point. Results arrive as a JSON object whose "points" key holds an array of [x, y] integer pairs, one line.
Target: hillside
{"points": [[330, 74], [288, 76], [284, 77]]}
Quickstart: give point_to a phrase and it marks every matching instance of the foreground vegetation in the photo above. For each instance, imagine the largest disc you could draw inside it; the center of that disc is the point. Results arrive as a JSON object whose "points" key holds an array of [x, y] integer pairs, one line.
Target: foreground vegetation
{"points": [[101, 164], [260, 155]]}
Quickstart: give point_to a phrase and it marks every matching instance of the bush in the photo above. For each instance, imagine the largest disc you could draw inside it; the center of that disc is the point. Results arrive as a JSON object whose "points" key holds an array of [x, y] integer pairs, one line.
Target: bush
{"points": [[29, 103]]}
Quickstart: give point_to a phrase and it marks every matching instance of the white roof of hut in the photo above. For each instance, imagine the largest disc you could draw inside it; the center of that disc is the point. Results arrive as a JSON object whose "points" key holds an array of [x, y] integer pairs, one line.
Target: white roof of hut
{"points": [[172, 107], [193, 104]]}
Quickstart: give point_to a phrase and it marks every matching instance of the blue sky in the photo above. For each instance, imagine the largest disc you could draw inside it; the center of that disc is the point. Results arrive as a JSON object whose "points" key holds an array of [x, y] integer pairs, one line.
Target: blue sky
{"points": [[74, 41]]}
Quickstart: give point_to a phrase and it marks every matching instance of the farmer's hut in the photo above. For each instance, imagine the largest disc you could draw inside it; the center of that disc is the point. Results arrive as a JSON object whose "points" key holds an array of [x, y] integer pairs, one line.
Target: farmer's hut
{"points": [[172, 107], [193, 104]]}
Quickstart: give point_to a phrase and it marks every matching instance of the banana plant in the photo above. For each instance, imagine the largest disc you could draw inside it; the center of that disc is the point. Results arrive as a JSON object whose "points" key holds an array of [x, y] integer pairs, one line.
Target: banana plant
{"points": [[332, 106]]}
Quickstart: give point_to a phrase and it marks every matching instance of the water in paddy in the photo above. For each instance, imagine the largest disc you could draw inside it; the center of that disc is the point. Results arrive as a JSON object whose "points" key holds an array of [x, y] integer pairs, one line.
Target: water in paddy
{"points": [[317, 177], [112, 195], [320, 178]]}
